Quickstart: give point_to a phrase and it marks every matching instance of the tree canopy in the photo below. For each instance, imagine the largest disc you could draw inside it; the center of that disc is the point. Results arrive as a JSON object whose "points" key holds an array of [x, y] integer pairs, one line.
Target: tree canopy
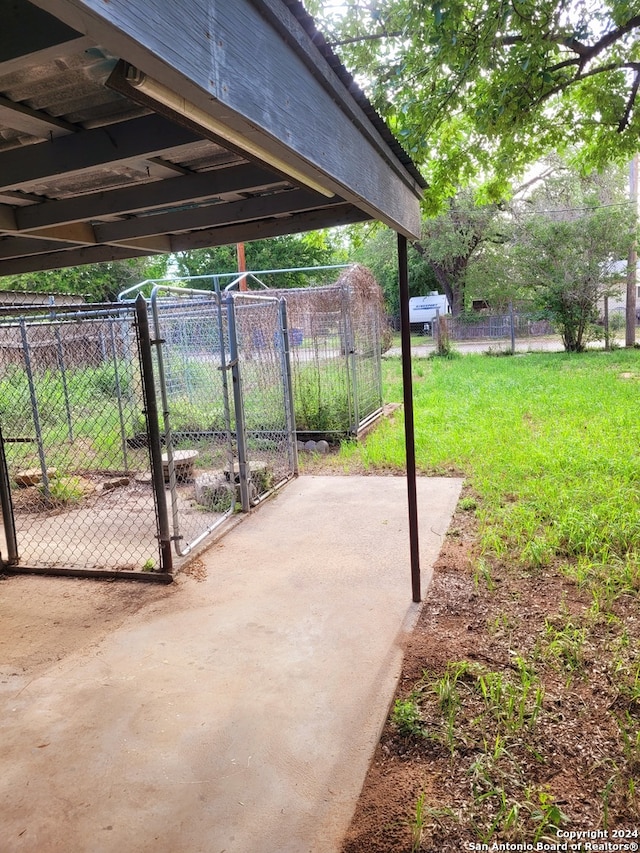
{"points": [[571, 238], [97, 282], [481, 90]]}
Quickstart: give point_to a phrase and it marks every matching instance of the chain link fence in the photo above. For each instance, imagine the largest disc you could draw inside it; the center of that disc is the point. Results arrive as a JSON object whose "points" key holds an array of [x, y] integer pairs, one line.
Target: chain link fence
{"points": [[264, 388], [129, 433], [226, 423], [70, 407], [128, 437], [336, 342], [498, 326], [336, 333]]}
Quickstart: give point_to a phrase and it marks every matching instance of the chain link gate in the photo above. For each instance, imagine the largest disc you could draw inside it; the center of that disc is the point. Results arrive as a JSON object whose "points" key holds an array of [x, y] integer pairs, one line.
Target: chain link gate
{"points": [[224, 390], [365, 361], [77, 483]]}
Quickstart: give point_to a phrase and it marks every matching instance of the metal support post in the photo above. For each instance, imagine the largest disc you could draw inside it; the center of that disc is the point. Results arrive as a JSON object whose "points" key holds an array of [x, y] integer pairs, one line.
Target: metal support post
{"points": [[241, 439], [116, 373], [63, 376], [512, 323], [409, 432], [34, 408]]}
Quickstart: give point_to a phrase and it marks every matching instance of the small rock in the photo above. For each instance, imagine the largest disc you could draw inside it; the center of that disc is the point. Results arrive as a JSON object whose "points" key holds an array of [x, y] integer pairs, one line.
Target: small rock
{"points": [[115, 483], [310, 446], [33, 476], [322, 446]]}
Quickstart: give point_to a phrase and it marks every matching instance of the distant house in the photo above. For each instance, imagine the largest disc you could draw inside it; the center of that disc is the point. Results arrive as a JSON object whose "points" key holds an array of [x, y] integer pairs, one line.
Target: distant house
{"points": [[617, 304]]}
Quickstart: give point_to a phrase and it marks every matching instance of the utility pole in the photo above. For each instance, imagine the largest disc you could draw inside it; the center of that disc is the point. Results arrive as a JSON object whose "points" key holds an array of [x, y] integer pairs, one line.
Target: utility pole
{"points": [[242, 265], [632, 260]]}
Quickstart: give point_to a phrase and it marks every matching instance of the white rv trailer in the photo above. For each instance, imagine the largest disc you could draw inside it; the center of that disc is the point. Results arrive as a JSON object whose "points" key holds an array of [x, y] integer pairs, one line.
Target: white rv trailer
{"points": [[423, 310]]}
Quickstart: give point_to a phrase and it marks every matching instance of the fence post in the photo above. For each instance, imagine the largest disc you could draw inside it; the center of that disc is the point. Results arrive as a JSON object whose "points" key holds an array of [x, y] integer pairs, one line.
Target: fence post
{"points": [[8, 519], [241, 439], [153, 432], [116, 373], [225, 385], [63, 376], [513, 329], [34, 408], [288, 385]]}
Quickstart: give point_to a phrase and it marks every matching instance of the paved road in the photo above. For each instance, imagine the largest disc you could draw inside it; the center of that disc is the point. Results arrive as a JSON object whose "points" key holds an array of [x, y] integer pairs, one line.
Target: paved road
{"points": [[547, 344]]}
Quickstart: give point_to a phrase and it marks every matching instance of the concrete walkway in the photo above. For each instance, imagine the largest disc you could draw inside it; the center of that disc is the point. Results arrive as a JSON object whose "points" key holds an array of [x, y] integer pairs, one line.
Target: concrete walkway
{"points": [[239, 713]]}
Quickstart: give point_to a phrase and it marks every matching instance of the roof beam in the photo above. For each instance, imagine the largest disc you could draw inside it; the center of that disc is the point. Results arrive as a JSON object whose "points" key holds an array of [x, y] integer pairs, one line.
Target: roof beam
{"points": [[19, 198], [160, 244], [341, 214], [246, 210], [148, 232], [76, 232], [34, 122], [71, 258], [73, 232], [22, 247], [193, 188], [71, 155]]}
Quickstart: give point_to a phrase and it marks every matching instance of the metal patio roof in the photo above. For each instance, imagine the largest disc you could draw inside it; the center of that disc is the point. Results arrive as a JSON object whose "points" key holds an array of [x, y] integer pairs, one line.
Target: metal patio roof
{"points": [[133, 127]]}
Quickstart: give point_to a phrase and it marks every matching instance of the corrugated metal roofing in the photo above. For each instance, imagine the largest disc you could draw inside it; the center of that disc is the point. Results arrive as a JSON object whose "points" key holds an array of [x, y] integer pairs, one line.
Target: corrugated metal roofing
{"points": [[76, 155]]}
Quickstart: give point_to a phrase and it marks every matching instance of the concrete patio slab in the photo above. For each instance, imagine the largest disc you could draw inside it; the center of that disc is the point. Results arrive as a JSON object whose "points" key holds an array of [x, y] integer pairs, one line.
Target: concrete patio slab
{"points": [[239, 713]]}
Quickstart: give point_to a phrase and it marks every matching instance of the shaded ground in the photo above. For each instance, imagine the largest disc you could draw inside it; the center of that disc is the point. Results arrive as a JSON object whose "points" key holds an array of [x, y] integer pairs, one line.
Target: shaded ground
{"points": [[239, 712], [506, 724], [45, 619]]}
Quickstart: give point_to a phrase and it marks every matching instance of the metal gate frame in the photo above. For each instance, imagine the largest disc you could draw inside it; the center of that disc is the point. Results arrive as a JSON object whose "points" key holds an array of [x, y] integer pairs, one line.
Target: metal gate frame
{"points": [[224, 306], [13, 564]]}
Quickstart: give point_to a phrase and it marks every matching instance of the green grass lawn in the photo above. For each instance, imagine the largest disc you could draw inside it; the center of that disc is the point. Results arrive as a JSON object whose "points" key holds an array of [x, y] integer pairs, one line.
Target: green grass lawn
{"points": [[543, 681], [549, 443]]}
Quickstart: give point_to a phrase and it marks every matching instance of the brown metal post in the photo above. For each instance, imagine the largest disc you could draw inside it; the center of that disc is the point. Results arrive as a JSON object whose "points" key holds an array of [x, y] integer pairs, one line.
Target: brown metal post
{"points": [[242, 265], [409, 432]]}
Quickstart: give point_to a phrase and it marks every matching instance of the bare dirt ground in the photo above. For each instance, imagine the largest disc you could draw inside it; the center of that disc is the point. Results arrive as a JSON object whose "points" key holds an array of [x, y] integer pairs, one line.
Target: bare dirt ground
{"points": [[44, 619], [483, 748]]}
